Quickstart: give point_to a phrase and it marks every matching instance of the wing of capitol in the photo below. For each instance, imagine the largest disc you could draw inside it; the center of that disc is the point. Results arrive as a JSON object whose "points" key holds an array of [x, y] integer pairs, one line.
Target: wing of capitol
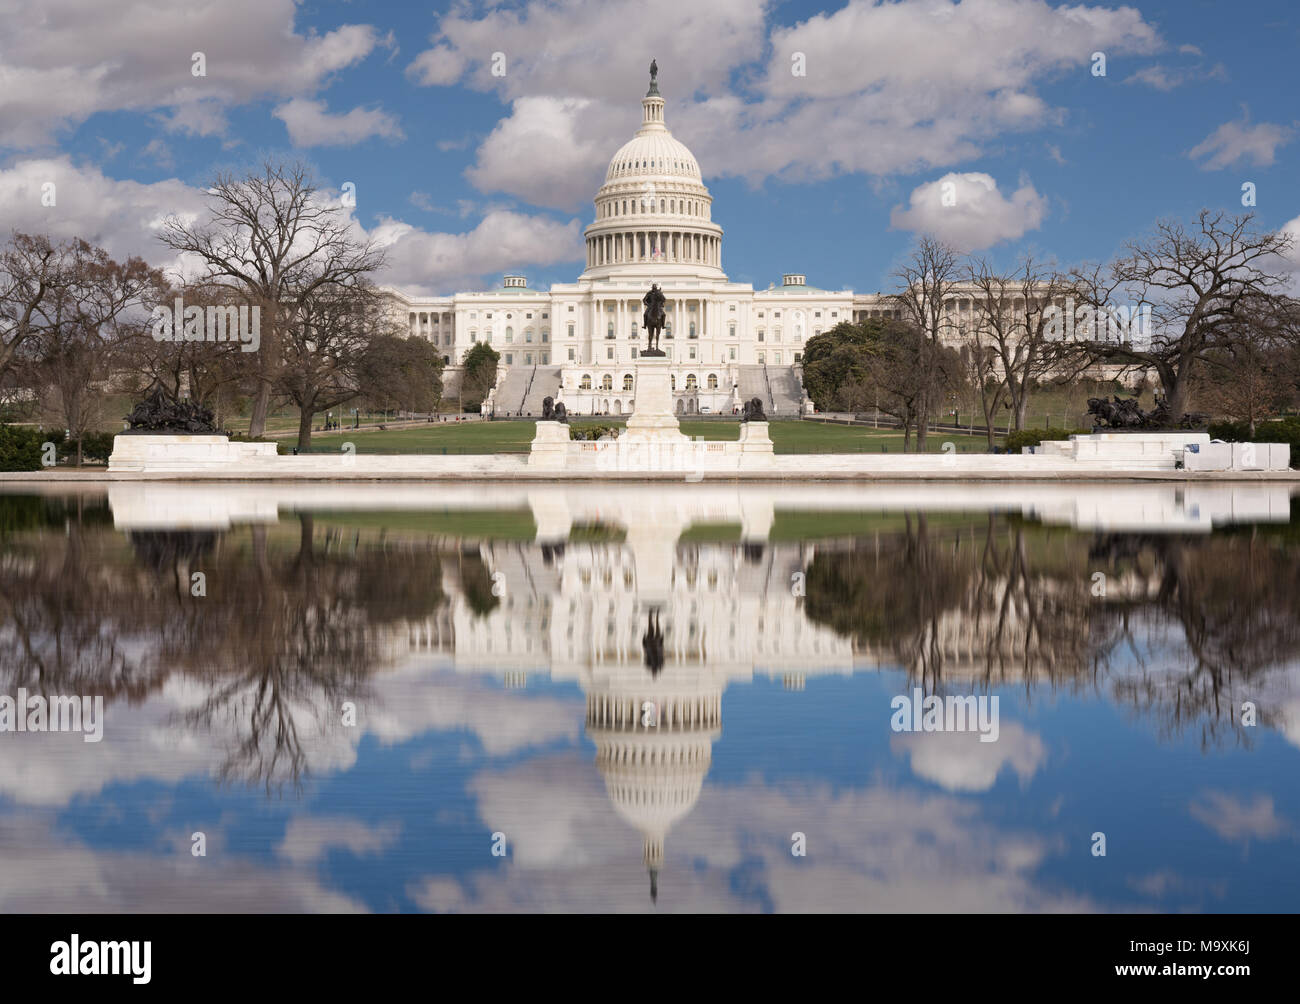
{"points": [[577, 342]]}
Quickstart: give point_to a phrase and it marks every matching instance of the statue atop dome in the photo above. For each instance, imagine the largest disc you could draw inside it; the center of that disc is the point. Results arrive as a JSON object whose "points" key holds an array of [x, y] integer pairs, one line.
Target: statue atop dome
{"points": [[654, 79]]}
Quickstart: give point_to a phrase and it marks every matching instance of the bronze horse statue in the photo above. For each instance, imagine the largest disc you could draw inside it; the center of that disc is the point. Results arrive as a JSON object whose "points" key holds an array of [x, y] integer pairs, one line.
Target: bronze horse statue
{"points": [[654, 319]]}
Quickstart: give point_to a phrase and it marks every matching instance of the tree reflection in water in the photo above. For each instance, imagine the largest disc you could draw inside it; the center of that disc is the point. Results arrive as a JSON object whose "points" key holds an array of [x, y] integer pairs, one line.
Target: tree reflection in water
{"points": [[287, 631], [1181, 628]]}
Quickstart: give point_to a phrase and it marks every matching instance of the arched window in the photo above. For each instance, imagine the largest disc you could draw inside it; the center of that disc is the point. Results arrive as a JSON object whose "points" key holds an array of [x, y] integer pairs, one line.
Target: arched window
{"points": [[586, 382], [713, 381], [672, 381], [672, 205], [692, 335], [627, 381], [609, 333], [691, 382], [510, 335], [528, 334], [607, 382]]}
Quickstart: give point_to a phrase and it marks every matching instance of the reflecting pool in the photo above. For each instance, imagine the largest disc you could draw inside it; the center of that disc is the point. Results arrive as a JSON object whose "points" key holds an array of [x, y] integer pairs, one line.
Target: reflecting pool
{"points": [[648, 697]]}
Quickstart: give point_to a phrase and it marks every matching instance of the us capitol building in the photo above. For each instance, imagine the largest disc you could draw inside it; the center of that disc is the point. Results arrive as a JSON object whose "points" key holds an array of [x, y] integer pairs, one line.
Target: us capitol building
{"points": [[577, 342]]}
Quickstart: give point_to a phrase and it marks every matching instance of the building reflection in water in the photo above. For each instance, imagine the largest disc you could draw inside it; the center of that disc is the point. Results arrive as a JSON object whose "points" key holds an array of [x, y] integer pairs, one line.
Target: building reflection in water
{"points": [[653, 600]]}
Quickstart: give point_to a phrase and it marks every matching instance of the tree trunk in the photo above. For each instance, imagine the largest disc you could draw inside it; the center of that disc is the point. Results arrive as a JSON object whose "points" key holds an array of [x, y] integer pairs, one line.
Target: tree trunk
{"points": [[304, 429], [261, 405]]}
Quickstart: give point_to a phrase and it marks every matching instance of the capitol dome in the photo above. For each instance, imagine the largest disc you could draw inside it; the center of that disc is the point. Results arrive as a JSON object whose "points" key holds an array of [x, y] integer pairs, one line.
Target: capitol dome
{"points": [[654, 208], [651, 155]]}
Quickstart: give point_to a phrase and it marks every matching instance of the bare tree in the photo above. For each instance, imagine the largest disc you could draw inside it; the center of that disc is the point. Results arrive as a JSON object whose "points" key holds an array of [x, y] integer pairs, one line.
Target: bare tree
{"points": [[274, 239], [326, 346], [79, 323], [1012, 314], [926, 281], [29, 268], [1197, 281]]}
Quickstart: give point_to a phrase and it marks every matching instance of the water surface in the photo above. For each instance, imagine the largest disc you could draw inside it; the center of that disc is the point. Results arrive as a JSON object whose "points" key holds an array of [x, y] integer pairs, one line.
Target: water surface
{"points": [[429, 698]]}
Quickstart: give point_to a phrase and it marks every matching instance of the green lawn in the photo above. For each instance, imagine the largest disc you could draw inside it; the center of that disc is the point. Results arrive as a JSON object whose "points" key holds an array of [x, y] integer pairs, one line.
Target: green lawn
{"points": [[514, 437]]}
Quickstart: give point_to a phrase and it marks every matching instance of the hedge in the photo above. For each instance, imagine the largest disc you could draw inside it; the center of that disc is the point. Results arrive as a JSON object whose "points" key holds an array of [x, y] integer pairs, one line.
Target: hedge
{"points": [[20, 447], [1033, 437]]}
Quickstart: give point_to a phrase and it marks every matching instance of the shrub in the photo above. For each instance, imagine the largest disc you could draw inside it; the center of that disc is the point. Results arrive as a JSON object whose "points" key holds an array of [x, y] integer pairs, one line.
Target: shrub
{"points": [[1033, 437], [593, 432], [95, 446], [20, 448]]}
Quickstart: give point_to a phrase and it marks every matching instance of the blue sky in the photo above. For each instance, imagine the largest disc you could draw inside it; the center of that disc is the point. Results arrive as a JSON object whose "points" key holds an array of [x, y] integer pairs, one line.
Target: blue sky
{"points": [[465, 175]]}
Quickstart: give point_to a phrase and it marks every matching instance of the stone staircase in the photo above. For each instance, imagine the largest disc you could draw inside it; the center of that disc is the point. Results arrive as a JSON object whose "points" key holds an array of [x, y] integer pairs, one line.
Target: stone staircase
{"points": [[545, 383], [752, 382], [786, 390], [510, 392]]}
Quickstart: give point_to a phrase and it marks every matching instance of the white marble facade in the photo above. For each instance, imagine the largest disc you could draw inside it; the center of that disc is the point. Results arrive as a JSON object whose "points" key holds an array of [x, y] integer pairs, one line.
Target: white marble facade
{"points": [[726, 341]]}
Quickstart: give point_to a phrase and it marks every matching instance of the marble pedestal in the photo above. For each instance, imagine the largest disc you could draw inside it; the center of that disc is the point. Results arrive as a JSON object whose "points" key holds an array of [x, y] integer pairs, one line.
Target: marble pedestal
{"points": [[653, 421]]}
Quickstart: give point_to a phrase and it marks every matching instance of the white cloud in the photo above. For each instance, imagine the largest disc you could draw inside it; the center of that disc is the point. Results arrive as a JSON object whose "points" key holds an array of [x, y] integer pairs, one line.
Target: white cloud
{"points": [[888, 87], [44, 871], [308, 838], [868, 849], [121, 216], [958, 761], [1241, 141], [421, 262], [311, 124], [72, 59], [124, 217], [1234, 818], [969, 212]]}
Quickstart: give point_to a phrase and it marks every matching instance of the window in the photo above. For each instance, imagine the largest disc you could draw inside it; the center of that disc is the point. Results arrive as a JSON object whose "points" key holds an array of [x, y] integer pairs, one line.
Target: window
{"points": [[546, 334], [570, 308], [762, 358], [607, 382], [509, 358], [510, 335], [732, 332], [731, 353], [609, 352], [545, 315], [692, 332], [585, 383], [546, 359], [570, 355], [570, 330], [692, 351], [627, 381], [528, 358], [691, 382], [528, 334], [672, 381], [776, 358], [817, 313], [528, 317], [760, 334], [713, 381]]}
